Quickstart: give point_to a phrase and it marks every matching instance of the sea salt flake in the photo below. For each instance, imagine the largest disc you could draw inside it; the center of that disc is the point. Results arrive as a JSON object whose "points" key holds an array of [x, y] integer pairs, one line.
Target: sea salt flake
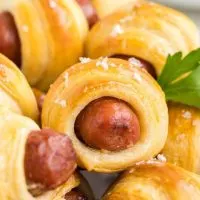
{"points": [[84, 60], [61, 102], [3, 71], [135, 62], [113, 65], [117, 30], [137, 77], [187, 114], [85, 89], [25, 28], [195, 122], [180, 137], [52, 4], [161, 158], [150, 161], [66, 79], [131, 171], [126, 19], [32, 186], [103, 62]]}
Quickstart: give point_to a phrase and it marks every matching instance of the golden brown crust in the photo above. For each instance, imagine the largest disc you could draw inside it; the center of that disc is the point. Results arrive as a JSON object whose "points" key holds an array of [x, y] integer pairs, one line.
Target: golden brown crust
{"points": [[182, 146]]}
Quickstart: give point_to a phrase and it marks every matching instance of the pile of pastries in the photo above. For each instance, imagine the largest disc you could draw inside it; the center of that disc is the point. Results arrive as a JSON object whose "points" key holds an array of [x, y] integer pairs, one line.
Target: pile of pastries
{"points": [[79, 90]]}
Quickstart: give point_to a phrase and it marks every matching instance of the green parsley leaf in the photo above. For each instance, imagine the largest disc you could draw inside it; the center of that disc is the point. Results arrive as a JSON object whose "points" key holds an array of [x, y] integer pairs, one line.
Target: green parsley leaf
{"points": [[180, 78]]}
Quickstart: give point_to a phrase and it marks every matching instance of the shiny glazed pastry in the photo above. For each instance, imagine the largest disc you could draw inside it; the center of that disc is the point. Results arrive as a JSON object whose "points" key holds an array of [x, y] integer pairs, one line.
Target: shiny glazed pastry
{"points": [[155, 180], [19, 174], [15, 92], [107, 7], [42, 37], [111, 112], [182, 146], [143, 30]]}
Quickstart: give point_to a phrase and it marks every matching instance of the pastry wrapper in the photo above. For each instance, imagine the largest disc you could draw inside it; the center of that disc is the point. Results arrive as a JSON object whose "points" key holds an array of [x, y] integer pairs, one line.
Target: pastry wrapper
{"points": [[93, 79], [145, 30], [15, 92], [155, 180], [51, 34], [182, 145]]}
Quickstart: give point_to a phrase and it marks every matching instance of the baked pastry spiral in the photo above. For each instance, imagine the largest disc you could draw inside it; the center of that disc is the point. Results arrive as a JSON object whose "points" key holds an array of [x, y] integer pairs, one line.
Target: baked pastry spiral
{"points": [[182, 144], [47, 35], [155, 180], [15, 92], [143, 30], [15, 130], [136, 102]]}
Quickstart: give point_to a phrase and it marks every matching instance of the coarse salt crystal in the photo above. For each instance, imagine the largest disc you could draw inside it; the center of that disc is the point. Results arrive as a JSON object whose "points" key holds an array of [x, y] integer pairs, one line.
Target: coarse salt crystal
{"points": [[117, 30], [187, 114], [103, 62], [61, 102], [113, 65], [180, 137], [84, 60], [135, 62], [85, 89], [195, 122], [66, 79], [25, 28], [126, 19], [52, 4], [137, 77], [131, 171], [151, 161], [161, 158], [3, 70]]}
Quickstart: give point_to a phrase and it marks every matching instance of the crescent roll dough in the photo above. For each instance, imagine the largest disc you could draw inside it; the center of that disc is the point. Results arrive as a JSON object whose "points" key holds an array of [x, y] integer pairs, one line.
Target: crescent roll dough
{"points": [[51, 34], [92, 79], [155, 181], [14, 132], [182, 146], [15, 92], [145, 30]]}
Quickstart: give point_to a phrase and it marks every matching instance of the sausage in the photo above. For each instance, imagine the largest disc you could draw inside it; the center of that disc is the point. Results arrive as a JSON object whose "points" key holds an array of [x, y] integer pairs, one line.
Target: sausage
{"points": [[9, 39], [40, 96], [139, 62], [75, 195], [89, 11], [49, 159], [108, 123]]}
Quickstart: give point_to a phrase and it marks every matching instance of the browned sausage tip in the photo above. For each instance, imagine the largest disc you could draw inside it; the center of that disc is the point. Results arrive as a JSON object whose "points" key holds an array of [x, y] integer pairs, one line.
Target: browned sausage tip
{"points": [[108, 123], [49, 158], [9, 38]]}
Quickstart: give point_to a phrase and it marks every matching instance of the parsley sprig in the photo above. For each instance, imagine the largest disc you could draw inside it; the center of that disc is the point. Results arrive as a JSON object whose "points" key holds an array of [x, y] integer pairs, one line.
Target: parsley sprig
{"points": [[180, 78]]}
